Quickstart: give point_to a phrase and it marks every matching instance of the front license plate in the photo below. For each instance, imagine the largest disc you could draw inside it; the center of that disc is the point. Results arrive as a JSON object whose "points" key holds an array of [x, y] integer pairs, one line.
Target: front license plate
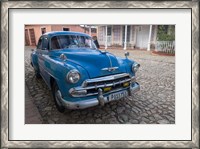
{"points": [[117, 96]]}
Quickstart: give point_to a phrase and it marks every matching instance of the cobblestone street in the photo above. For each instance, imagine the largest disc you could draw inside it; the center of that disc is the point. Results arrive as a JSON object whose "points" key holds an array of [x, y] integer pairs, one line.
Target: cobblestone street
{"points": [[153, 104]]}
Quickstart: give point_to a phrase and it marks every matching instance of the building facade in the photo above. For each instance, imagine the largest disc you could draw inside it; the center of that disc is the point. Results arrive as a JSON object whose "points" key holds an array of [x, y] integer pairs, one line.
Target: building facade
{"points": [[127, 36], [33, 32]]}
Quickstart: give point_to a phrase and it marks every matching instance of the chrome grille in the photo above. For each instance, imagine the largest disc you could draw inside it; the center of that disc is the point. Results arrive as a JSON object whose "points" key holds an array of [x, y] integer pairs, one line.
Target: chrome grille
{"points": [[108, 80], [91, 86]]}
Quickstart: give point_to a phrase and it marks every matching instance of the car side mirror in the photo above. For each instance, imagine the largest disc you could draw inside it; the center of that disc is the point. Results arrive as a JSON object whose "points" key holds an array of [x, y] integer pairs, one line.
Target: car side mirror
{"points": [[44, 49], [126, 54], [32, 50]]}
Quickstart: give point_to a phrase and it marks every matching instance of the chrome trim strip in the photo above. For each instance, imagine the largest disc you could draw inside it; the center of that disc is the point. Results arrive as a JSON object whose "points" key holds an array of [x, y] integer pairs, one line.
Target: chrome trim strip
{"points": [[105, 85], [107, 78]]}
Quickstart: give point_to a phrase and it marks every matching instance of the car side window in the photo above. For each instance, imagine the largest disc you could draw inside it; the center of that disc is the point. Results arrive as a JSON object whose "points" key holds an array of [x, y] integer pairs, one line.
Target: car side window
{"points": [[39, 46], [45, 44], [55, 43]]}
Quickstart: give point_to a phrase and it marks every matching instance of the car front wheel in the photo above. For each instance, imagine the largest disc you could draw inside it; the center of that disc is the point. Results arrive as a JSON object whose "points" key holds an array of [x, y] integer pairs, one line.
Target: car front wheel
{"points": [[37, 74], [57, 98]]}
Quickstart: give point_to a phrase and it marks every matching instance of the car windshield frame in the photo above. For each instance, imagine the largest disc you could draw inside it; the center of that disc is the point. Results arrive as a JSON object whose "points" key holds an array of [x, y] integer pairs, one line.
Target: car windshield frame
{"points": [[71, 41]]}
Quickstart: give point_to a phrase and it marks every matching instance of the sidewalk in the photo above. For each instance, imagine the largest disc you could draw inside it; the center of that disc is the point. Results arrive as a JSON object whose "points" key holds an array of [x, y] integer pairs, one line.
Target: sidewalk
{"points": [[32, 116]]}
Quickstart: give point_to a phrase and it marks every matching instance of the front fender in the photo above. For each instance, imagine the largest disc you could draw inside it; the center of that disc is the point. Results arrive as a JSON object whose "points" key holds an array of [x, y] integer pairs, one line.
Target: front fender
{"points": [[34, 61], [127, 63], [58, 69]]}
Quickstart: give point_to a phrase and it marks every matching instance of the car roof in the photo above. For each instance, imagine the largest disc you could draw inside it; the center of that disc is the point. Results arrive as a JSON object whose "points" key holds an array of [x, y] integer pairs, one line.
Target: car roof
{"points": [[50, 34]]}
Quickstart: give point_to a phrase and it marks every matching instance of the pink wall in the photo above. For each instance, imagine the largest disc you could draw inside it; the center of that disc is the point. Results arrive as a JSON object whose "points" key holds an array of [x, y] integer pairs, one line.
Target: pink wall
{"points": [[49, 28]]}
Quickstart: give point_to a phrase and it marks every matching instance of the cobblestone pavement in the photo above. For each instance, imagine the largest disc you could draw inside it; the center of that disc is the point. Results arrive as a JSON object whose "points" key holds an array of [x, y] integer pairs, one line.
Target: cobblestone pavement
{"points": [[153, 104]]}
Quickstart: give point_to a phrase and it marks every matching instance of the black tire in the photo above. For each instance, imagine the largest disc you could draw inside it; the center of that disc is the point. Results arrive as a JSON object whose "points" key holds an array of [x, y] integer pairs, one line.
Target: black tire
{"points": [[55, 91], [37, 74]]}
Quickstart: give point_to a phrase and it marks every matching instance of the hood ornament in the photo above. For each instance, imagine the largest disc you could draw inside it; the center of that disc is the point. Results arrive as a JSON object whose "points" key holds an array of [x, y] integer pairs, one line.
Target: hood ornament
{"points": [[63, 57], [110, 69]]}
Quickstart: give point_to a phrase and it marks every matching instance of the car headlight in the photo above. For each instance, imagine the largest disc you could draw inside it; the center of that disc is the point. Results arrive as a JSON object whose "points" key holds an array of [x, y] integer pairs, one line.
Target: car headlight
{"points": [[73, 76], [135, 67]]}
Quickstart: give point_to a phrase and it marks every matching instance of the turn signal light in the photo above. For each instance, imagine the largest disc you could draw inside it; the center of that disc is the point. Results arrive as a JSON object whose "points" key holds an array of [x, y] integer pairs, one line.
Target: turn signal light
{"points": [[106, 89], [125, 84]]}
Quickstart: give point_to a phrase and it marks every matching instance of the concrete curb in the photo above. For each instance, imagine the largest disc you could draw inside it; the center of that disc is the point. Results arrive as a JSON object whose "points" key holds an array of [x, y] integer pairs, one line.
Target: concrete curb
{"points": [[32, 115]]}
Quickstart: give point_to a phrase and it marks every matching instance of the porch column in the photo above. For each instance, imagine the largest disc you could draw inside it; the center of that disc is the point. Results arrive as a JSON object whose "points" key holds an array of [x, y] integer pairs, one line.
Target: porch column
{"points": [[131, 36], [125, 37], [149, 41], [106, 41], [90, 30]]}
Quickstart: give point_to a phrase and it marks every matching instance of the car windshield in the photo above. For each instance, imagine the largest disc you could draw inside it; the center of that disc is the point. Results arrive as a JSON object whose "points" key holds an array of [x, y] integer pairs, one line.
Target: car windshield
{"points": [[71, 41]]}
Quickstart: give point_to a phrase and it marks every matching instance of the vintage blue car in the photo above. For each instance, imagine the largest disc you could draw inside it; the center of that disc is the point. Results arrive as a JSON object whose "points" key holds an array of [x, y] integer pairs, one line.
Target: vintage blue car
{"points": [[80, 75]]}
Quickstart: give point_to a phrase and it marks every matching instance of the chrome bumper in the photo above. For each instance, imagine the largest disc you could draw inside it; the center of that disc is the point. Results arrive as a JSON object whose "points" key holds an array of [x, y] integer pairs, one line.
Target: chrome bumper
{"points": [[100, 100]]}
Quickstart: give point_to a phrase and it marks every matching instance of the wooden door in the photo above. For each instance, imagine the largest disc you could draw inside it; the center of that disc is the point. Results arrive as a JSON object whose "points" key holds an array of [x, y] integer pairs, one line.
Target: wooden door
{"points": [[27, 42], [32, 36]]}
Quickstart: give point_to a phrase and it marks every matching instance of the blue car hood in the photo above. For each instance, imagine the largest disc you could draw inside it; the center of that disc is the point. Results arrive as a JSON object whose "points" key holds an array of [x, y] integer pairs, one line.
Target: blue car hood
{"points": [[95, 62]]}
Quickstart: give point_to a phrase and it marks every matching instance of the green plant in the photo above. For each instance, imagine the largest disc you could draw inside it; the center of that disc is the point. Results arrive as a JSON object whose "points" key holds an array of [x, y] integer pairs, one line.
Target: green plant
{"points": [[166, 33]]}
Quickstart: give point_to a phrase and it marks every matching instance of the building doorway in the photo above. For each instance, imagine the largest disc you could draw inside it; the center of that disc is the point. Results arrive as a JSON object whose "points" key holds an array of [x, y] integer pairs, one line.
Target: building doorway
{"points": [[32, 36], [142, 36], [109, 35], [27, 42]]}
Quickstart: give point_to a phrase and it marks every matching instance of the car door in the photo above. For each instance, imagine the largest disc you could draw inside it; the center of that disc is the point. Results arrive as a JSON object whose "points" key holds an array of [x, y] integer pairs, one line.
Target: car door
{"points": [[43, 50]]}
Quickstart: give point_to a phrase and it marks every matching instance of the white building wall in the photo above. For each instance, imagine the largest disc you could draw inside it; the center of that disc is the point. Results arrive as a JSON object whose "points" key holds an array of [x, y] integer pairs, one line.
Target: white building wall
{"points": [[138, 38], [101, 35]]}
